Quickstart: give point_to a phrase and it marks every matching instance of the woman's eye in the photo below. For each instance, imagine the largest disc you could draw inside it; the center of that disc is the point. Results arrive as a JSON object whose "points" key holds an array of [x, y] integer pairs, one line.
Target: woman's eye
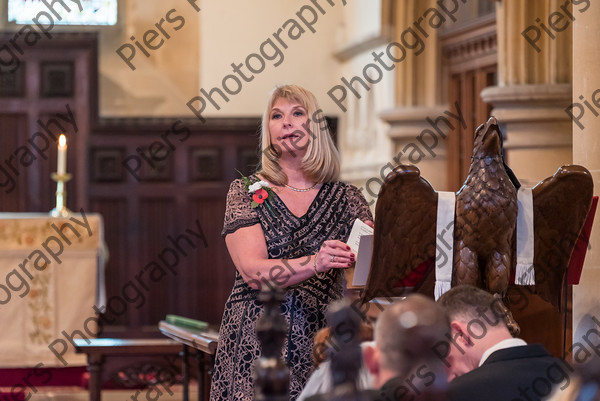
{"points": [[275, 116], [298, 113]]}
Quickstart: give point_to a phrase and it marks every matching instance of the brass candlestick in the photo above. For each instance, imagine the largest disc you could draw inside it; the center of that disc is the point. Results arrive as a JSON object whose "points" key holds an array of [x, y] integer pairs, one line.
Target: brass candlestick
{"points": [[61, 195]]}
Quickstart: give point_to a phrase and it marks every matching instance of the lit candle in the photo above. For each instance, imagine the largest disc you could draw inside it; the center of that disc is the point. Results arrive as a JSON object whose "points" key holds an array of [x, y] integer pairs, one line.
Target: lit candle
{"points": [[62, 155]]}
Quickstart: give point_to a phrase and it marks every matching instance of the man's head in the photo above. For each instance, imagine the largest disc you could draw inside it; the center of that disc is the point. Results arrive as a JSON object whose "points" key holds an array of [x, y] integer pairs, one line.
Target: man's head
{"points": [[478, 321], [405, 334]]}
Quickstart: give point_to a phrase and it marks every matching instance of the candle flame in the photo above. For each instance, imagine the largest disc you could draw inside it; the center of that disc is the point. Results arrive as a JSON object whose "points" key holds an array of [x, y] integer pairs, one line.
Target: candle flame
{"points": [[62, 140]]}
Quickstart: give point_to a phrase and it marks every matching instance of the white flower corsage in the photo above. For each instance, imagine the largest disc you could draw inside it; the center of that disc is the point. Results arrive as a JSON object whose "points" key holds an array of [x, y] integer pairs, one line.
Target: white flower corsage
{"points": [[257, 185]]}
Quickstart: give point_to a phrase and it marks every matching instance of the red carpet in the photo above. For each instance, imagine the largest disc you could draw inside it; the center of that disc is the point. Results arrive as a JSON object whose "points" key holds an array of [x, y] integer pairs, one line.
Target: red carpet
{"points": [[19, 384], [12, 397], [39, 377], [29, 378]]}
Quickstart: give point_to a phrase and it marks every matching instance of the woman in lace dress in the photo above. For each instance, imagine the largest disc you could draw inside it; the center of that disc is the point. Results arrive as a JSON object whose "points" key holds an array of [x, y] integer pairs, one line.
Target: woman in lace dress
{"points": [[295, 238]]}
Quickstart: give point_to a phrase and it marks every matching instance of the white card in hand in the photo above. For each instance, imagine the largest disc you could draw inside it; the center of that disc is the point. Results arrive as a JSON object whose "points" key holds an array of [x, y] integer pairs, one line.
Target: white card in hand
{"points": [[363, 261], [358, 229], [361, 243]]}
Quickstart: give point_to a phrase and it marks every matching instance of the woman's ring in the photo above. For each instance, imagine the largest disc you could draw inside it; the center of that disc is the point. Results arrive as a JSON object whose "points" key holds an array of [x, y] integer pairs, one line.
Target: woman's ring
{"points": [[332, 257]]}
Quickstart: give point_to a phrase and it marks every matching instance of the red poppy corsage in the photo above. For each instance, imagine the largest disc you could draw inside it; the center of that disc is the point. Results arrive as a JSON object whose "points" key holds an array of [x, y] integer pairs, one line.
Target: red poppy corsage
{"points": [[259, 189], [260, 196]]}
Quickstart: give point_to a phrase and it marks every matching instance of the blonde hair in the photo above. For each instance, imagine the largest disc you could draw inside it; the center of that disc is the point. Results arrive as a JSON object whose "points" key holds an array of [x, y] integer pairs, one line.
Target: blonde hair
{"points": [[321, 163]]}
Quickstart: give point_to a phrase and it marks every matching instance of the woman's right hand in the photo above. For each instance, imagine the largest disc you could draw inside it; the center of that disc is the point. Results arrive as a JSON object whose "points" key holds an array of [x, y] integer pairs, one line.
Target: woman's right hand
{"points": [[334, 254]]}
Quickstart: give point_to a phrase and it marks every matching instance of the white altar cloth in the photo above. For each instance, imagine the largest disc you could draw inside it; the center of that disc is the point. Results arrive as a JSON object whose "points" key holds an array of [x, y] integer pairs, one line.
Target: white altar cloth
{"points": [[45, 290]]}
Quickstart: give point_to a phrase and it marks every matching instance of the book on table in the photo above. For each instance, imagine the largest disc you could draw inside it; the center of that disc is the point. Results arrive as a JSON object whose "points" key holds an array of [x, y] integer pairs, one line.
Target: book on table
{"points": [[186, 322]]}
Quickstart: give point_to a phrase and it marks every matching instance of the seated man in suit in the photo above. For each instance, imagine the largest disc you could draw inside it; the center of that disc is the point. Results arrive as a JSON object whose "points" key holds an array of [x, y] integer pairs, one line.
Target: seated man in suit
{"points": [[486, 362], [402, 360]]}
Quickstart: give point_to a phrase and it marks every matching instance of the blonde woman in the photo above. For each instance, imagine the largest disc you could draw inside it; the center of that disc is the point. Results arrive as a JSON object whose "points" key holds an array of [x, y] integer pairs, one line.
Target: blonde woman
{"points": [[287, 223]]}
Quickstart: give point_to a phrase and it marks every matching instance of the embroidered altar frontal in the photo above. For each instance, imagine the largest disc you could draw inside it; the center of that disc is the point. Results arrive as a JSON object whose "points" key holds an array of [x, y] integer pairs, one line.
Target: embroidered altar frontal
{"points": [[51, 277]]}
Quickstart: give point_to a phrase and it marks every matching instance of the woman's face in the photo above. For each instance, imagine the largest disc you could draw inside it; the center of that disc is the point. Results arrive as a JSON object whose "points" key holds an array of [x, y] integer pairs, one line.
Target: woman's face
{"points": [[288, 123]]}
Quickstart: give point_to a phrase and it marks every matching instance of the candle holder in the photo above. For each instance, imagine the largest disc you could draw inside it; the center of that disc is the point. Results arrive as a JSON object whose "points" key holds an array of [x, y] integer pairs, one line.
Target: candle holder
{"points": [[61, 195]]}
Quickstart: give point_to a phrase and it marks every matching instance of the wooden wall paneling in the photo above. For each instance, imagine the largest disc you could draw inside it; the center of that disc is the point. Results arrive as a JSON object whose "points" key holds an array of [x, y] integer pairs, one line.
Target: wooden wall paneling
{"points": [[13, 186], [114, 213], [157, 208], [78, 50], [105, 164], [212, 266], [12, 83], [206, 164], [157, 219], [247, 159]]}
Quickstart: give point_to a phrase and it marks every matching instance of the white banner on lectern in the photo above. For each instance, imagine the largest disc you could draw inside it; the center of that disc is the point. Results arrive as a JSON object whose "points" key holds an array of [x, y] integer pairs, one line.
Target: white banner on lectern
{"points": [[444, 242]]}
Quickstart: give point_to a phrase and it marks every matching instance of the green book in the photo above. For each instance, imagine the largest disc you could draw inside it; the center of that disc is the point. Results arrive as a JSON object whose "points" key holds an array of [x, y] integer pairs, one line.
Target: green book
{"points": [[186, 322]]}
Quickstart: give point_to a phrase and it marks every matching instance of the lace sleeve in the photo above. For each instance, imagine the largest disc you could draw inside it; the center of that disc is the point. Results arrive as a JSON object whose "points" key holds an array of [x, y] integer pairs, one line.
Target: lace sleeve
{"points": [[358, 204], [238, 210]]}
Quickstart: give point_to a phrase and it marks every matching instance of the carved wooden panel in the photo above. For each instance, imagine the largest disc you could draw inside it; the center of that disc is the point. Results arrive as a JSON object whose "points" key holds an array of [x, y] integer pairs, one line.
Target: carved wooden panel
{"points": [[57, 78], [155, 169], [106, 165], [248, 159], [206, 165], [12, 83]]}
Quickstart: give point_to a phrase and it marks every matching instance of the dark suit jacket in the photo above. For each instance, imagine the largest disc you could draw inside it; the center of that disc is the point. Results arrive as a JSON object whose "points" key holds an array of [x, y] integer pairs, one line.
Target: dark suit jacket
{"points": [[527, 373], [397, 389]]}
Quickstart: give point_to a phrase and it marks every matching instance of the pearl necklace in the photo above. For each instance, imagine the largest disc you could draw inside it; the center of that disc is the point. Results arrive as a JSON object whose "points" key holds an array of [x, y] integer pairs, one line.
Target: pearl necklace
{"points": [[301, 189]]}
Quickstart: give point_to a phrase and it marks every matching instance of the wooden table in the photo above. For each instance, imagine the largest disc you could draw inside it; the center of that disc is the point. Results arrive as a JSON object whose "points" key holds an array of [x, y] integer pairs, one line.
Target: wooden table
{"points": [[204, 342], [98, 349]]}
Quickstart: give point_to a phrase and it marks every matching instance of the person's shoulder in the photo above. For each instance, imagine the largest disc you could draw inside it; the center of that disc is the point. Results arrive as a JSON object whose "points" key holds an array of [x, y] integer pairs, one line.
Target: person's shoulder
{"points": [[508, 365], [352, 192], [346, 186], [237, 186], [472, 384], [238, 190], [240, 184], [527, 351], [468, 378]]}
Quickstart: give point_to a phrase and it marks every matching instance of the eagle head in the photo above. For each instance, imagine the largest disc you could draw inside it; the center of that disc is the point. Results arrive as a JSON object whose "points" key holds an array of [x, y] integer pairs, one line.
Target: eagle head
{"points": [[488, 141]]}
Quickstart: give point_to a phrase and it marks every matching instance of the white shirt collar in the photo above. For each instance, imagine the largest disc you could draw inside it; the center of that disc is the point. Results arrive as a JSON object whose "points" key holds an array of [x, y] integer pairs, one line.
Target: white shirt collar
{"points": [[508, 343]]}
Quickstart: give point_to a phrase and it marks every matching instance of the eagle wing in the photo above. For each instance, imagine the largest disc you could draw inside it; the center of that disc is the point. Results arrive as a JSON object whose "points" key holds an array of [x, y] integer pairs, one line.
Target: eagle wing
{"points": [[404, 236], [560, 204]]}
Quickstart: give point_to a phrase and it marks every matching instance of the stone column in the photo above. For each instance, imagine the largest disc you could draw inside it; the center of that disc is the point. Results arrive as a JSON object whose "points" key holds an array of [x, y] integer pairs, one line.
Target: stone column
{"points": [[534, 76], [406, 131], [418, 92], [362, 140], [586, 151], [416, 83]]}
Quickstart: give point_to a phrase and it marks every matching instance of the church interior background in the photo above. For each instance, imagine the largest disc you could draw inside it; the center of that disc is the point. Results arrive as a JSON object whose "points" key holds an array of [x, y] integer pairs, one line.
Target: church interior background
{"points": [[166, 104]]}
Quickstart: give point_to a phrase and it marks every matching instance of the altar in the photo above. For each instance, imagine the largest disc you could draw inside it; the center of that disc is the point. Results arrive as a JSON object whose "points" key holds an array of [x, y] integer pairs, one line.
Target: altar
{"points": [[51, 277]]}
